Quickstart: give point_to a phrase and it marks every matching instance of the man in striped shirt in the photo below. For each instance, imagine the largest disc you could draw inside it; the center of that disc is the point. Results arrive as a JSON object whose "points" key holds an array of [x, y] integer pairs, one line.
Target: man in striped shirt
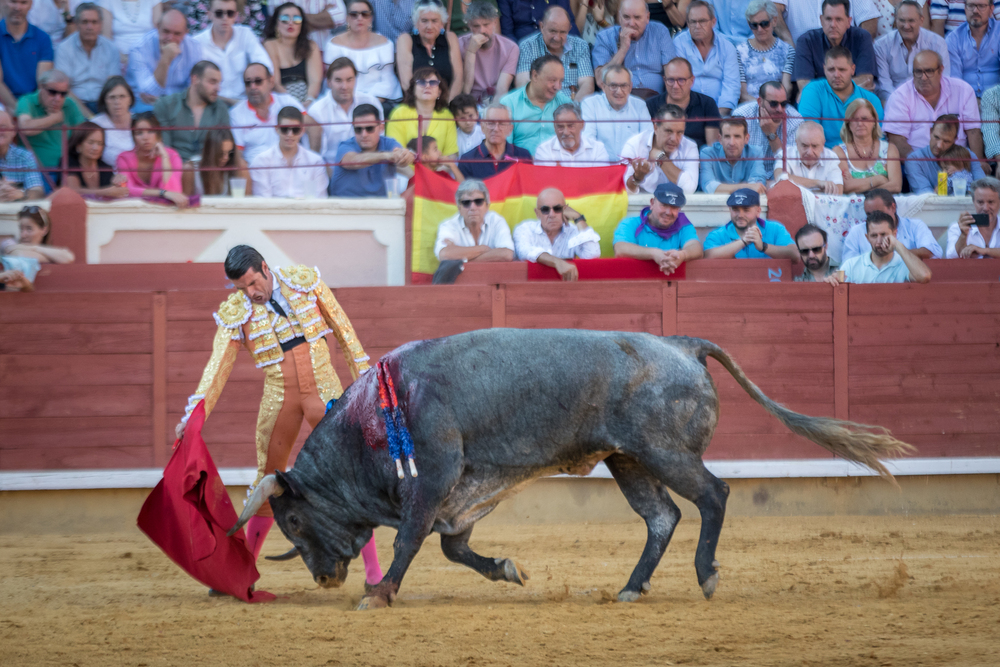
{"points": [[946, 15]]}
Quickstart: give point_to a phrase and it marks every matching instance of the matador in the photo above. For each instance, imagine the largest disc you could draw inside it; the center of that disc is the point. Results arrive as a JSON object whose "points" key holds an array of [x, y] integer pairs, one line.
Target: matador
{"points": [[282, 316]]}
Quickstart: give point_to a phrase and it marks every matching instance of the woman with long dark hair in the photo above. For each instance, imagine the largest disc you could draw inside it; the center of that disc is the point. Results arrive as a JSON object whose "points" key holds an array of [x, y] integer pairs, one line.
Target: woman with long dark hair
{"points": [[297, 58], [151, 169], [220, 161], [89, 174], [426, 96]]}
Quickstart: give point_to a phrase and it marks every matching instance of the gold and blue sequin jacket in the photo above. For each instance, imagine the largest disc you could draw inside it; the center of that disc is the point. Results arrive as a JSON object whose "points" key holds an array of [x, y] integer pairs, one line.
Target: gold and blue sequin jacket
{"points": [[315, 313]]}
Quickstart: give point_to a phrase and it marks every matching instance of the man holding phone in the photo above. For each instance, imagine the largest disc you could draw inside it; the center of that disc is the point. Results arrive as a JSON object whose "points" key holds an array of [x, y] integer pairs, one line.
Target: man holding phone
{"points": [[888, 262], [975, 236]]}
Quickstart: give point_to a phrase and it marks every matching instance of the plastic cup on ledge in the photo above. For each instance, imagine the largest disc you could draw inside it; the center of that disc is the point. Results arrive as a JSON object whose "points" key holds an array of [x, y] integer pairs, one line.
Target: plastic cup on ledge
{"points": [[238, 187], [959, 185], [392, 188]]}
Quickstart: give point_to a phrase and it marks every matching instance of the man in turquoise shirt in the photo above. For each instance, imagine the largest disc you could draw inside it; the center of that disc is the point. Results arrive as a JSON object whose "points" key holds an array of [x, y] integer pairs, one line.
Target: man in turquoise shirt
{"points": [[661, 233], [536, 102], [747, 235], [828, 98], [43, 110]]}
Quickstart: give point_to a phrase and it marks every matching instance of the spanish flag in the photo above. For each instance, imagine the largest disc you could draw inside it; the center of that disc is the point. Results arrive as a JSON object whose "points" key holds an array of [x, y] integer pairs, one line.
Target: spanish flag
{"points": [[596, 192]]}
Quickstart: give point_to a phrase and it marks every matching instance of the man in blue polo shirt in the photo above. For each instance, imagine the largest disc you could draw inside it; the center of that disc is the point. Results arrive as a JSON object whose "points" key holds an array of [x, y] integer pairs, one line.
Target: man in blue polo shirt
{"points": [[25, 52], [368, 159], [747, 235], [828, 98], [661, 233], [888, 262], [812, 46]]}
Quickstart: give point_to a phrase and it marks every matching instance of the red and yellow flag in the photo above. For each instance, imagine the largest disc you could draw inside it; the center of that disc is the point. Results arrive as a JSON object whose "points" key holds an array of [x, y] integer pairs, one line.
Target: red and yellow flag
{"points": [[597, 192]]}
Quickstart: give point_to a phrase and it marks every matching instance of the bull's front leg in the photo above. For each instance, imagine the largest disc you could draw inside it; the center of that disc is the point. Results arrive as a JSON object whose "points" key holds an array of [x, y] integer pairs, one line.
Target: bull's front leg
{"points": [[413, 530]]}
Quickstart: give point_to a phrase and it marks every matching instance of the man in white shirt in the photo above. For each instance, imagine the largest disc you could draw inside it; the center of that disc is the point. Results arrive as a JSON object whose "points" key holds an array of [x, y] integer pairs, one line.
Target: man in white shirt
{"points": [[336, 105], [662, 155], [289, 169], [557, 234], [888, 261], [231, 47], [803, 15], [912, 233], [628, 115], [253, 120], [475, 233], [968, 240], [570, 147], [810, 163], [895, 50]]}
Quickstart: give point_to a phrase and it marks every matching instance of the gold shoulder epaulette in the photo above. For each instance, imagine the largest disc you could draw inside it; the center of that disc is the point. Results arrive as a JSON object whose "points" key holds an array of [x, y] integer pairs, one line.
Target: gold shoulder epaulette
{"points": [[234, 311], [300, 277]]}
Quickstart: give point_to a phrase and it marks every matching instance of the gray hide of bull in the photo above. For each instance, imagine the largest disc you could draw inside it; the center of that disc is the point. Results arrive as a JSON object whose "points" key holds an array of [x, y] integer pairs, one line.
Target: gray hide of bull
{"points": [[492, 410]]}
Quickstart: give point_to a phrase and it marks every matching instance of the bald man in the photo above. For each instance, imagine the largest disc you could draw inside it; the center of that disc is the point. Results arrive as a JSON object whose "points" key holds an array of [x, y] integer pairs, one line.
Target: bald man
{"points": [[643, 48], [810, 163], [558, 233], [160, 64]]}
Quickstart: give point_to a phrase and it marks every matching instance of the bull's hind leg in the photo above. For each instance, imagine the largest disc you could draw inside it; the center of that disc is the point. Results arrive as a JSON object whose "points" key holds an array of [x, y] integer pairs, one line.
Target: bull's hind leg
{"points": [[650, 500], [456, 549], [685, 473]]}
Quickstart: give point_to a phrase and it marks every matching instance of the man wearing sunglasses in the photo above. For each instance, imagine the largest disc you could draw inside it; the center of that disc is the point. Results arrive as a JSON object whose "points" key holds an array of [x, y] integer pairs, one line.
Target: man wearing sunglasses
{"points": [[475, 233], [289, 169], [765, 118], [558, 233], [811, 242], [232, 47], [366, 160], [253, 121], [41, 112]]}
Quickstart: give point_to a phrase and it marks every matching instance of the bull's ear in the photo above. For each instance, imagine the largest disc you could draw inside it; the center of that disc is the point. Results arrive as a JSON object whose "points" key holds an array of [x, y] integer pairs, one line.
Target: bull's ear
{"points": [[287, 483]]}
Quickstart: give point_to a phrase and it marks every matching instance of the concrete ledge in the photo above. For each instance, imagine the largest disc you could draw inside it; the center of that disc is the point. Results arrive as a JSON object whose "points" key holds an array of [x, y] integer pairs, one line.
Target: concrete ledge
{"points": [[147, 478], [565, 500]]}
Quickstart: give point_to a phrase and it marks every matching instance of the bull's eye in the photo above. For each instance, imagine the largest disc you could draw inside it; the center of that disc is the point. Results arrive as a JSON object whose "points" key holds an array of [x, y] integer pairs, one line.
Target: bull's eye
{"points": [[293, 522]]}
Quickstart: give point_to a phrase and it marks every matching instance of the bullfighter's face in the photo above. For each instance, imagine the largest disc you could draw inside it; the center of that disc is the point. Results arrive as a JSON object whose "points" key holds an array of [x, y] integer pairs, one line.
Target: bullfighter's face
{"points": [[326, 547], [257, 285]]}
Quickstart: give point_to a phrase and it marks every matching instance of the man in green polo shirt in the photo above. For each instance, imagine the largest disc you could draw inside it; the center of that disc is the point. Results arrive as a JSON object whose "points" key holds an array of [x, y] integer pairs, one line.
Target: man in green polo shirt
{"points": [[42, 113], [536, 102], [198, 105]]}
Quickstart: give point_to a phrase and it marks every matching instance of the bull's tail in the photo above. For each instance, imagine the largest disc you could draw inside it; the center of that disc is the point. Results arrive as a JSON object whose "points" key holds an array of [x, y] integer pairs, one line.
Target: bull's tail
{"points": [[860, 443]]}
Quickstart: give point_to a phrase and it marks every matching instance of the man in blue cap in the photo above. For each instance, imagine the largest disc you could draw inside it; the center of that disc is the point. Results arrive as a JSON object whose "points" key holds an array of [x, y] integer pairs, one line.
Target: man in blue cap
{"points": [[747, 235], [661, 232]]}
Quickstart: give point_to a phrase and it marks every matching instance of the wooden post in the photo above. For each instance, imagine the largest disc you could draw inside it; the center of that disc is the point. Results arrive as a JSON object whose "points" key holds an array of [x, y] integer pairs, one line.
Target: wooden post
{"points": [[669, 314], [160, 439], [840, 352], [499, 306]]}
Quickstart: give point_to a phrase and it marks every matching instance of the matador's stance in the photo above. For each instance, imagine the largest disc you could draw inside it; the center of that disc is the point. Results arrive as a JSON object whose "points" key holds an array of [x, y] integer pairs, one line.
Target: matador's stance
{"points": [[282, 317]]}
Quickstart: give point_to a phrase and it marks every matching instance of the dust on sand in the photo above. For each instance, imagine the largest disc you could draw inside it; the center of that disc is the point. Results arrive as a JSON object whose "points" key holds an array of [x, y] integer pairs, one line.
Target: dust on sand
{"points": [[804, 591]]}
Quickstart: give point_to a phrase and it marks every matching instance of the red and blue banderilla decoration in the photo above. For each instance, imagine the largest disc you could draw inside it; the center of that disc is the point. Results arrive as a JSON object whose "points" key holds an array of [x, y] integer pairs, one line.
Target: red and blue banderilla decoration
{"points": [[396, 434]]}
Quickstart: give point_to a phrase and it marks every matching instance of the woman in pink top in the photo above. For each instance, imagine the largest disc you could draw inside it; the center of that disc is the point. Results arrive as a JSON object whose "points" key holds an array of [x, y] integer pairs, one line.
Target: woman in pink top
{"points": [[152, 169]]}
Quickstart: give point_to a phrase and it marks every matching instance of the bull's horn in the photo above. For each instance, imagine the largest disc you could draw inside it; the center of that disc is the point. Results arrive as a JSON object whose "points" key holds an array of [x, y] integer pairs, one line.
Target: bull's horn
{"points": [[288, 555], [267, 488]]}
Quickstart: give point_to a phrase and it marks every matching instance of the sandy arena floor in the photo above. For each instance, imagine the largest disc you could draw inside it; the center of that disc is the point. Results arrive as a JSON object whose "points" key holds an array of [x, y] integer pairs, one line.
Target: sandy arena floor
{"points": [[808, 591]]}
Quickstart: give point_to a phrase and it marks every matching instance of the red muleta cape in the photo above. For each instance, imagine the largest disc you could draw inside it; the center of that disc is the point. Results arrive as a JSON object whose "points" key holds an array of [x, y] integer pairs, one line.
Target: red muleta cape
{"points": [[188, 514]]}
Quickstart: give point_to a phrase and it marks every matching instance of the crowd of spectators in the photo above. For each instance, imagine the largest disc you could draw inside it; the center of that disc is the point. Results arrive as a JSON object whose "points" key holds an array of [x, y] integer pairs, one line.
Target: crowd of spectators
{"points": [[132, 98]]}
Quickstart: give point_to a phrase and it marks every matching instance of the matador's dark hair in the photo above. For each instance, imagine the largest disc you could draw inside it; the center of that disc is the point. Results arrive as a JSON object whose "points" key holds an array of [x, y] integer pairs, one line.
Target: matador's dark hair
{"points": [[241, 259]]}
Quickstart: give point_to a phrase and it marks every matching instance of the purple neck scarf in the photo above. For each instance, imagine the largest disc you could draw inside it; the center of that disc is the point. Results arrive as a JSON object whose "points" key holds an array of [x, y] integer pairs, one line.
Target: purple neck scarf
{"points": [[659, 231]]}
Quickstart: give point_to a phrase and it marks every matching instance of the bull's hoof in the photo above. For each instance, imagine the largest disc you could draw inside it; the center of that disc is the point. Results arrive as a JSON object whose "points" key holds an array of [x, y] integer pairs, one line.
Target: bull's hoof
{"points": [[369, 588], [708, 588], [514, 573], [627, 595], [369, 602]]}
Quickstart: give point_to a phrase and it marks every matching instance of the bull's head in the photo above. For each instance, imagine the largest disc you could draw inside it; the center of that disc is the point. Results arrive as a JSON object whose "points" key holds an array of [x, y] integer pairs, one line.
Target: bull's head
{"points": [[326, 546]]}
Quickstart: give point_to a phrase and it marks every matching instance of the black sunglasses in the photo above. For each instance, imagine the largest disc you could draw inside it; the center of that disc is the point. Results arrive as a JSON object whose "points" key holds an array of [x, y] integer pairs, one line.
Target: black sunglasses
{"points": [[478, 201], [367, 129], [253, 82], [57, 93], [228, 13], [815, 251], [775, 104], [558, 208], [357, 15], [293, 129], [762, 24]]}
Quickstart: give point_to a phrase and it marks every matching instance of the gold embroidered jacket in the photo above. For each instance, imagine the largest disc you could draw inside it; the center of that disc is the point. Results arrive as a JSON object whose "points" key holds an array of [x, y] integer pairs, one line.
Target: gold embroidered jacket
{"points": [[315, 313]]}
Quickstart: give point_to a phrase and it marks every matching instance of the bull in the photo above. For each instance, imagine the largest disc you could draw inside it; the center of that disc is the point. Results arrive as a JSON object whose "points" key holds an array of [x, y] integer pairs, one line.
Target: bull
{"points": [[490, 411]]}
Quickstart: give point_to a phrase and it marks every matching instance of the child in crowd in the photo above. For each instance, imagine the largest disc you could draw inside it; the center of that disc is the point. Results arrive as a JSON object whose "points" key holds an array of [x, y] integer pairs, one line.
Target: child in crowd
{"points": [[470, 135], [956, 162], [431, 158]]}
